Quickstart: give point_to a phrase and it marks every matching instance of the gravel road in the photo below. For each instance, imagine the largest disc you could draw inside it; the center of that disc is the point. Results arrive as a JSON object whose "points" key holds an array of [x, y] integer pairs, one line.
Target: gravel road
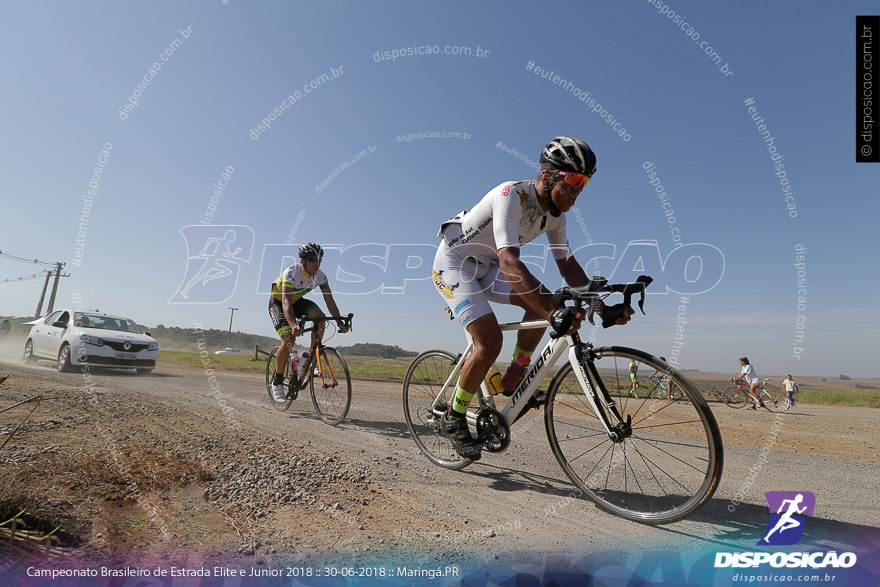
{"points": [[270, 485]]}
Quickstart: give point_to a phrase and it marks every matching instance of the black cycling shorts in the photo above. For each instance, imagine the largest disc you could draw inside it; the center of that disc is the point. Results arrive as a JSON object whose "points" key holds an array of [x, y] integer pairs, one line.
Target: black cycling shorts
{"points": [[301, 308]]}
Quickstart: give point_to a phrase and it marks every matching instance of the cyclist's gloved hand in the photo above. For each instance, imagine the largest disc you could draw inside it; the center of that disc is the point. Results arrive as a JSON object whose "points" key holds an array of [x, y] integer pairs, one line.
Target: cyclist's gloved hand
{"points": [[562, 320], [617, 314]]}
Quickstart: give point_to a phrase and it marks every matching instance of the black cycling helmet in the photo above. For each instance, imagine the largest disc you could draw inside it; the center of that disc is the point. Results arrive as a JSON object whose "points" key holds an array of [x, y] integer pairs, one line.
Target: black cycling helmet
{"points": [[312, 250], [568, 154]]}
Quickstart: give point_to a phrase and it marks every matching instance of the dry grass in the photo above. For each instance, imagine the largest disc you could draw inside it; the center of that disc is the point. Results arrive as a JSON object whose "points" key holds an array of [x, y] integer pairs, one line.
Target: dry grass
{"points": [[58, 493]]}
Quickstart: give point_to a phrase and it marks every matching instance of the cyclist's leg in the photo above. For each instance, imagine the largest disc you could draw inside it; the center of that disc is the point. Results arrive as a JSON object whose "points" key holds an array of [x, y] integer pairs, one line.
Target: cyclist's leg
{"points": [[498, 290], [464, 286], [754, 394], [279, 322], [527, 340], [304, 308], [311, 310]]}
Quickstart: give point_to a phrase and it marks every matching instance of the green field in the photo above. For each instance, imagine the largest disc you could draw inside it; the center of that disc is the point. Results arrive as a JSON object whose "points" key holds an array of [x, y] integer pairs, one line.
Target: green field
{"points": [[370, 368], [813, 390]]}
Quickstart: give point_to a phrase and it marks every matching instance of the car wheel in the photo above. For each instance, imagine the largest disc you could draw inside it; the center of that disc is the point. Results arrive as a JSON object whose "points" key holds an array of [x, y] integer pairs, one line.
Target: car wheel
{"points": [[64, 365], [144, 371], [28, 357]]}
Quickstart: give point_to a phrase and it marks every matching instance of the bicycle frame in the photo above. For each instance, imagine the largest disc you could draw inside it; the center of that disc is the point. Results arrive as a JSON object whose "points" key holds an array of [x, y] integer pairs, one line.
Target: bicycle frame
{"points": [[745, 387], [315, 350], [542, 362]]}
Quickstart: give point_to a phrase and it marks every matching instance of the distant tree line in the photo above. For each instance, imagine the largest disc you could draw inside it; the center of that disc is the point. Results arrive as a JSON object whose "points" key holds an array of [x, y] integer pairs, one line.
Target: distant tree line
{"points": [[372, 349], [211, 337]]}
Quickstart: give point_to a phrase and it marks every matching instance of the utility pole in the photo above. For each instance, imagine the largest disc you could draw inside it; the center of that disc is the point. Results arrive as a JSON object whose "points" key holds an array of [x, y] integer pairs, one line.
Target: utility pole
{"points": [[39, 311], [230, 325], [58, 267]]}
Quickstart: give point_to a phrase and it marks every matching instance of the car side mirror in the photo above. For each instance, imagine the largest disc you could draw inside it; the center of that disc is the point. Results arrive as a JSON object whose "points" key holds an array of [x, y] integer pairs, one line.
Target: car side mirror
{"points": [[60, 324], [148, 334]]}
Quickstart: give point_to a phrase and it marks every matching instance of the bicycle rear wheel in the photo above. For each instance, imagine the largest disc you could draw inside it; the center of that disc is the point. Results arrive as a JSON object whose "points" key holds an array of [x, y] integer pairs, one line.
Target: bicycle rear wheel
{"points": [[330, 385], [665, 471], [270, 371], [776, 402], [734, 397], [424, 379]]}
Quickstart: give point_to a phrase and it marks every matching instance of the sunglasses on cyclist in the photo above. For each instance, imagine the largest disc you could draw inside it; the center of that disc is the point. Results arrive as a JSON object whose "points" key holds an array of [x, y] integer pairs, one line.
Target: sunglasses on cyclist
{"points": [[311, 259], [575, 180]]}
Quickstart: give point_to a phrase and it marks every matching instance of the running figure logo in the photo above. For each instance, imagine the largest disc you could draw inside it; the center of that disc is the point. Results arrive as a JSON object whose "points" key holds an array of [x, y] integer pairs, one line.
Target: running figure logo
{"points": [[786, 526], [212, 273]]}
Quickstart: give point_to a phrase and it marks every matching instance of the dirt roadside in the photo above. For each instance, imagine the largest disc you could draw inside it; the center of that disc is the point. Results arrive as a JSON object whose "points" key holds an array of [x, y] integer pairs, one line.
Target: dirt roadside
{"points": [[157, 469]]}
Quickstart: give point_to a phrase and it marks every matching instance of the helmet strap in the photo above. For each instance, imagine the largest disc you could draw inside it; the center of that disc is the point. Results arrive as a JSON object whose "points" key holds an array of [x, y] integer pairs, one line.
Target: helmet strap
{"points": [[554, 210]]}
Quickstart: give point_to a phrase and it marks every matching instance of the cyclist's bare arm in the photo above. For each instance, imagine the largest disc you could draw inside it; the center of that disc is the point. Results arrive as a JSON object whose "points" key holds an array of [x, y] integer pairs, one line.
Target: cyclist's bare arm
{"points": [[287, 307], [572, 272], [334, 309], [524, 284]]}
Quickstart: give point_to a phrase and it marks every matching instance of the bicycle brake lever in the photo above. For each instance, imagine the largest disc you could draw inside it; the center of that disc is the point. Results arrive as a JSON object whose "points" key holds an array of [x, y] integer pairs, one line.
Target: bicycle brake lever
{"points": [[592, 311], [641, 284], [560, 296]]}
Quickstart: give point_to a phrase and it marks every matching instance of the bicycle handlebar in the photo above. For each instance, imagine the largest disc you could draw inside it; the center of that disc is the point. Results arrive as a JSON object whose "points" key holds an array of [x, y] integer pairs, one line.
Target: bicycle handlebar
{"points": [[345, 320], [599, 288]]}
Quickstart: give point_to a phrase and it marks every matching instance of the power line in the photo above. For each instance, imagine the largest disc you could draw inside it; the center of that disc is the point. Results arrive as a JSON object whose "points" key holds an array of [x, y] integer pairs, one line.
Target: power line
{"points": [[23, 260], [24, 277]]}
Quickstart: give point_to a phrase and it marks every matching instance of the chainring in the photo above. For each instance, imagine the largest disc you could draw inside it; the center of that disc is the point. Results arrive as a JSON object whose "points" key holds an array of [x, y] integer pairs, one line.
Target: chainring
{"points": [[493, 433]]}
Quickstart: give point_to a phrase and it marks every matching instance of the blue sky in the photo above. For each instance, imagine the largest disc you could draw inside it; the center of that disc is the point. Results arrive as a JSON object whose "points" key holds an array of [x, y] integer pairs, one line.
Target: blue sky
{"points": [[70, 68]]}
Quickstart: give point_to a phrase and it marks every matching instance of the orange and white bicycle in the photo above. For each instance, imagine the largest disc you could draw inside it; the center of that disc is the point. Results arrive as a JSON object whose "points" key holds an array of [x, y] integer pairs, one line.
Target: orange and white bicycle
{"points": [[326, 374]]}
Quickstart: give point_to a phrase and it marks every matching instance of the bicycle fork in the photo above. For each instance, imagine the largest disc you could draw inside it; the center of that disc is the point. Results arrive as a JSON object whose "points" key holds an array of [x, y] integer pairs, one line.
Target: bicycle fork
{"points": [[597, 394]]}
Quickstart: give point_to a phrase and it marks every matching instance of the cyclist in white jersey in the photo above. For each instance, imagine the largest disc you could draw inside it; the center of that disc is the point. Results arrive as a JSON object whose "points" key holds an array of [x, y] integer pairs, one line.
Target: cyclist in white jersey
{"points": [[751, 376], [478, 262]]}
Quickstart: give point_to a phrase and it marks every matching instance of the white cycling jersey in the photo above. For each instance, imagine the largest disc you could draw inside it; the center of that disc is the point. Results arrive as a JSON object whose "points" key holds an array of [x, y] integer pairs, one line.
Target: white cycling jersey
{"points": [[508, 216]]}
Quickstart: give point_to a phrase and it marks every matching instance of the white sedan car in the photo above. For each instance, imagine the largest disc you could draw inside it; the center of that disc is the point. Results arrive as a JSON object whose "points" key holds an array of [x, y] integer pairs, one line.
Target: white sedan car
{"points": [[73, 337], [228, 351]]}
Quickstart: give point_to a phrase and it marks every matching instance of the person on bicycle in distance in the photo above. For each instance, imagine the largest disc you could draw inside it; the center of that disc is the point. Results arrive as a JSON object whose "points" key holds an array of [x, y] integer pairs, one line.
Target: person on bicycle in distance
{"points": [[287, 303], [751, 377], [478, 261]]}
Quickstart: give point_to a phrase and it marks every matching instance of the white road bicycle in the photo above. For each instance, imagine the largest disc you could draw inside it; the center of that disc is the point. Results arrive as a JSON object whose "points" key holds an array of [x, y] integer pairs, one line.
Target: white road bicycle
{"points": [[645, 460]]}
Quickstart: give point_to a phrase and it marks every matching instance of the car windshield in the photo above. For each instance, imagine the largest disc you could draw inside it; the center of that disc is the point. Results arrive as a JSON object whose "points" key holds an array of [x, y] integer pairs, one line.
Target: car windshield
{"points": [[105, 322]]}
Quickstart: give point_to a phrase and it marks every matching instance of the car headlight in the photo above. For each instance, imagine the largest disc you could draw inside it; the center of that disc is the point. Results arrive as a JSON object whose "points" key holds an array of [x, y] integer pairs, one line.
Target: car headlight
{"points": [[93, 340], [154, 346]]}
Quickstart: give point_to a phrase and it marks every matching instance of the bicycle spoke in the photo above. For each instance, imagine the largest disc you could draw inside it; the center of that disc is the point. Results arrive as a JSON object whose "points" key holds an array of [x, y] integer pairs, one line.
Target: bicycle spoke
{"points": [[683, 444], [598, 462], [662, 470], [670, 454], [600, 433], [670, 424], [584, 412]]}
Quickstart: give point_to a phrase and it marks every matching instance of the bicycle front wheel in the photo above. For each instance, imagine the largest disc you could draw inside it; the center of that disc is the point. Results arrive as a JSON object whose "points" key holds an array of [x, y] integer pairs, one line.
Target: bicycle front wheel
{"points": [[331, 387], [667, 469], [270, 372], [734, 397], [424, 406]]}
